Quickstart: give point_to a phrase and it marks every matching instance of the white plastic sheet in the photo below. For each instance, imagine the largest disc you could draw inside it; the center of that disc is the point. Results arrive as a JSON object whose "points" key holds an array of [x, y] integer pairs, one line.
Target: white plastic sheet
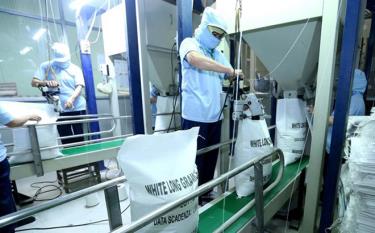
{"points": [[161, 168], [165, 105], [253, 140], [47, 135], [360, 179], [291, 128]]}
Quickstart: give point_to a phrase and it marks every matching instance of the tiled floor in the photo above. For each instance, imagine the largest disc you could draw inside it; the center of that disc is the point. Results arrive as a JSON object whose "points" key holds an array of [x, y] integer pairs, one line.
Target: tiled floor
{"points": [[71, 213], [75, 212]]}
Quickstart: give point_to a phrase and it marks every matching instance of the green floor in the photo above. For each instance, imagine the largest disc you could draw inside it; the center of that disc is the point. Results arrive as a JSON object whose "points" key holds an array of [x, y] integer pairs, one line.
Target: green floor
{"points": [[212, 218]]}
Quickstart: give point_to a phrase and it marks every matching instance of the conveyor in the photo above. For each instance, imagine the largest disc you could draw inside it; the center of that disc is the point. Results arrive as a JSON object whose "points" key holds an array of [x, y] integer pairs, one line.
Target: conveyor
{"points": [[73, 156], [211, 217]]}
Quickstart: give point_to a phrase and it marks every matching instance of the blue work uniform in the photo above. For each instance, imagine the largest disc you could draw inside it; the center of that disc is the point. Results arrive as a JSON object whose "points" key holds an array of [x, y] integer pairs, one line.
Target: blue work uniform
{"points": [[7, 204], [69, 76], [357, 104], [201, 90]]}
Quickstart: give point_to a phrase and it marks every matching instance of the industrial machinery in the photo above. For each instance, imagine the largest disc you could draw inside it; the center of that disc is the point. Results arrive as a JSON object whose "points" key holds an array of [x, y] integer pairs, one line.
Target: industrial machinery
{"points": [[52, 97]]}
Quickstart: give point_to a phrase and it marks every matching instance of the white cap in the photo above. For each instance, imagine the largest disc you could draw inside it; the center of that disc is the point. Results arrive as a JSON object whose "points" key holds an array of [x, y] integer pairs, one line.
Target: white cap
{"points": [[60, 52]]}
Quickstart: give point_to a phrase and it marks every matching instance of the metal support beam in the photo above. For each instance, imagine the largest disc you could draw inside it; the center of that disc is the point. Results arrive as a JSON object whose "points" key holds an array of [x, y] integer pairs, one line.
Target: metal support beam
{"points": [[259, 202], [82, 23], [348, 61], [113, 207], [135, 85], [325, 77], [185, 29], [35, 149], [273, 117]]}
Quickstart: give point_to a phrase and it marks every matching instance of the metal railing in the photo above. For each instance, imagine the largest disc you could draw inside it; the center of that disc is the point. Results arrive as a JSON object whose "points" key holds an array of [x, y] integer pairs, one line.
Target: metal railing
{"points": [[138, 224], [34, 141], [14, 217], [110, 191], [27, 212], [79, 119]]}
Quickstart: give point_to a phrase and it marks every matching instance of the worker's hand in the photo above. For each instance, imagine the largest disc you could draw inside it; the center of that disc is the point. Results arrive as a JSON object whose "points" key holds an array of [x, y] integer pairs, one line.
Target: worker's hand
{"points": [[34, 117], [69, 103], [235, 73], [51, 83], [153, 99]]}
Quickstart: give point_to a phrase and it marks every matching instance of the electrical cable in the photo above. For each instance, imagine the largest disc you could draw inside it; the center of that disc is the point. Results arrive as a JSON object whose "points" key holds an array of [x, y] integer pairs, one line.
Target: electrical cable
{"points": [[93, 23], [49, 39], [237, 20], [222, 108], [68, 226], [40, 190], [174, 101], [53, 17], [97, 36], [294, 182], [290, 49]]}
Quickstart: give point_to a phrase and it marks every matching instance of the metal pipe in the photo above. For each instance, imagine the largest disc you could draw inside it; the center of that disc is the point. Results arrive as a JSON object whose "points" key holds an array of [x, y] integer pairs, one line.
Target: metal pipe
{"points": [[138, 224], [213, 147], [83, 121], [19, 153], [259, 197], [248, 206], [9, 144], [89, 134], [14, 217], [85, 116], [166, 113], [24, 213], [86, 142], [163, 130], [271, 127]]}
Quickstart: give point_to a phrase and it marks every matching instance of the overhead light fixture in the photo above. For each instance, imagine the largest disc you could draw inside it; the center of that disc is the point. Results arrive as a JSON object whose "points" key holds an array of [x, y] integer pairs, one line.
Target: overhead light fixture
{"points": [[25, 50], [1, 60], [39, 34], [76, 4]]}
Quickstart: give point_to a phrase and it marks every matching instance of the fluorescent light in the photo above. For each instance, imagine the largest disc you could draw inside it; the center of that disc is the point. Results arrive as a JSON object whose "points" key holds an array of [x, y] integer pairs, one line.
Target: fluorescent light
{"points": [[77, 4], [25, 50], [39, 34], [1, 60]]}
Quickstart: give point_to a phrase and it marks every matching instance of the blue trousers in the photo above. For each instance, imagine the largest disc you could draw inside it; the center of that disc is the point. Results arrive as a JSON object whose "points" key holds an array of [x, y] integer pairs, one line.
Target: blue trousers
{"points": [[7, 204], [209, 134], [71, 129]]}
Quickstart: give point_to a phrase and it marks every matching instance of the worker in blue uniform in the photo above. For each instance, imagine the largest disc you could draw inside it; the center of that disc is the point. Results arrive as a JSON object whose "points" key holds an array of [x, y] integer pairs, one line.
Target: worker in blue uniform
{"points": [[7, 204], [61, 73], [357, 103], [203, 69]]}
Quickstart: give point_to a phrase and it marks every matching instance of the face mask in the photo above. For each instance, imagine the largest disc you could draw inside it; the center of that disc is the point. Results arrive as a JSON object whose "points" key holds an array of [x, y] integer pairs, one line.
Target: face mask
{"points": [[208, 40], [61, 65]]}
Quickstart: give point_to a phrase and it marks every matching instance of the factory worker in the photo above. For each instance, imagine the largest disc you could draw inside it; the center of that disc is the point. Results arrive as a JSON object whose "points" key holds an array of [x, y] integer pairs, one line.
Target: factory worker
{"points": [[7, 204], [61, 73], [357, 104], [203, 69]]}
